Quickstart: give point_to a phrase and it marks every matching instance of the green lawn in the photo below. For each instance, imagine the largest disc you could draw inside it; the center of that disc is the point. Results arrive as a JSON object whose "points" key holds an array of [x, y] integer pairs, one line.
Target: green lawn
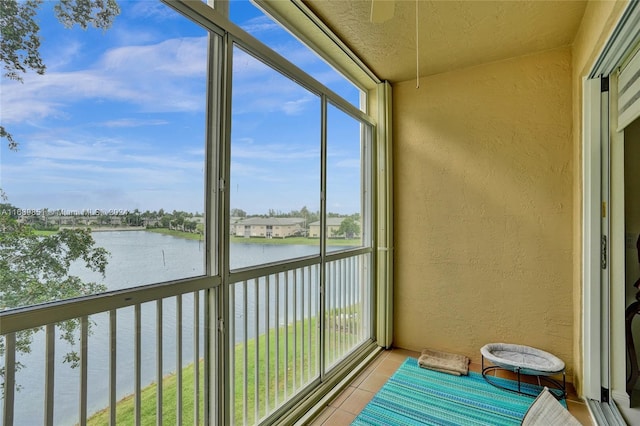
{"points": [[306, 371], [278, 387], [291, 240], [174, 233], [296, 240], [44, 233], [125, 407]]}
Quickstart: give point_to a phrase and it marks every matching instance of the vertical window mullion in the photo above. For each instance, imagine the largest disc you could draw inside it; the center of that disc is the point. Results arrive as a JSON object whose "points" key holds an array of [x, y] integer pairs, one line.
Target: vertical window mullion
{"points": [[323, 236], [225, 397]]}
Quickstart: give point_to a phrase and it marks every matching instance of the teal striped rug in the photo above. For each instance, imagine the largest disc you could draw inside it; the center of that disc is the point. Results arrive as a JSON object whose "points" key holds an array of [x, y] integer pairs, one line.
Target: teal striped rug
{"points": [[417, 396]]}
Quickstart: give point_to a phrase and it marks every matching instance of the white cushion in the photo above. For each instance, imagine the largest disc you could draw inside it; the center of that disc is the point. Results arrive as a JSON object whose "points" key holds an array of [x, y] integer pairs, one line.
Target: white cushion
{"points": [[547, 411]]}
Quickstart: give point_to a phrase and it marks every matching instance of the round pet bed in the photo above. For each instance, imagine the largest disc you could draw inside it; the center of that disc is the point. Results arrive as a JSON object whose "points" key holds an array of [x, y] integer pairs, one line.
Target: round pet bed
{"points": [[522, 359], [529, 360]]}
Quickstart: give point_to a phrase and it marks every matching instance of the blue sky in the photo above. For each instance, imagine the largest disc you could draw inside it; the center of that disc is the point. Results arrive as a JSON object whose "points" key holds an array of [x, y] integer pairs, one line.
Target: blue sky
{"points": [[118, 120]]}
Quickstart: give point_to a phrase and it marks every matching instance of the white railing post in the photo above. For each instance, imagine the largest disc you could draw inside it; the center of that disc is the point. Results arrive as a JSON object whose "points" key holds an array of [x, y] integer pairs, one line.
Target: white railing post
{"points": [[196, 358], [112, 366], [49, 381], [84, 335], [179, 359], [9, 378], [256, 352], [159, 358], [277, 339], [267, 329], [137, 365], [294, 296]]}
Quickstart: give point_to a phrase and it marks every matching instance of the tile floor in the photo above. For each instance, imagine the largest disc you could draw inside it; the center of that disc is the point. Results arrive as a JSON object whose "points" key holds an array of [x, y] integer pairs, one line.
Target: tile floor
{"points": [[346, 406]]}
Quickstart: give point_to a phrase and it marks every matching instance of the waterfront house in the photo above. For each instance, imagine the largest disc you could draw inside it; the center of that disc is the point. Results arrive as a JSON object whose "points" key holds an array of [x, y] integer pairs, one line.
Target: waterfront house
{"points": [[333, 227], [269, 227]]}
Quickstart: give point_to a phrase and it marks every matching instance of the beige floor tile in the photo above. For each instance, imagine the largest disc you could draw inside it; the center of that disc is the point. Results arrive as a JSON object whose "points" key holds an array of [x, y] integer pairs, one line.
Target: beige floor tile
{"points": [[340, 418], [377, 360], [370, 368], [389, 365], [580, 412], [353, 399], [362, 376], [475, 367], [402, 354], [323, 417], [374, 382], [342, 397], [357, 401]]}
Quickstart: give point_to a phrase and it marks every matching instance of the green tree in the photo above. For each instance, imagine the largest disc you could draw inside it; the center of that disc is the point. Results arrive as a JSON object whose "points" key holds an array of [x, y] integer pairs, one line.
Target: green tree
{"points": [[349, 228], [238, 213], [165, 221], [104, 219], [190, 226], [35, 270], [133, 218], [20, 41]]}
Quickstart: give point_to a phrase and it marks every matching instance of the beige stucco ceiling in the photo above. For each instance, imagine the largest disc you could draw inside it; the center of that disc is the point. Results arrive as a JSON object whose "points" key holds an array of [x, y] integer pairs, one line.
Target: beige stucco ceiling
{"points": [[453, 34]]}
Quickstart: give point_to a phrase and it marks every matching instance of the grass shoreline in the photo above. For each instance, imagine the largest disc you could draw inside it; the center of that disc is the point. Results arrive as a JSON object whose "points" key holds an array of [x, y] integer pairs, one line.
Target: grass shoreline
{"points": [[125, 407], [257, 240], [233, 239]]}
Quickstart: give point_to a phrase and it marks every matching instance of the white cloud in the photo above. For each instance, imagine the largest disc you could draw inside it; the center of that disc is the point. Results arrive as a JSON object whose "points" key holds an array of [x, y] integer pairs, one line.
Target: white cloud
{"points": [[132, 122], [351, 163], [152, 10], [92, 151], [164, 77], [66, 52], [101, 150], [262, 95], [246, 169], [296, 106], [183, 57], [259, 25], [274, 152], [295, 52], [259, 88], [64, 117]]}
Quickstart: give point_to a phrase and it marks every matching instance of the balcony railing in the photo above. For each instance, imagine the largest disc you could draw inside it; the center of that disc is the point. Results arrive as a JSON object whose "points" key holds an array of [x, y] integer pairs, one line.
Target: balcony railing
{"points": [[273, 340], [348, 307], [140, 354], [277, 347], [135, 359]]}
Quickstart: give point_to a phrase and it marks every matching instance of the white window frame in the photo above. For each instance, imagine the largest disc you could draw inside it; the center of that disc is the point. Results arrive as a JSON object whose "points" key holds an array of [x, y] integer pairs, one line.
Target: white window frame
{"points": [[597, 331]]}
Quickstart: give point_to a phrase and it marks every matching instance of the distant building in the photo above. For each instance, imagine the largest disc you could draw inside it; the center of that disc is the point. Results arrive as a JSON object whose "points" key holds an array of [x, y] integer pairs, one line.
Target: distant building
{"points": [[269, 227], [232, 224], [332, 224]]}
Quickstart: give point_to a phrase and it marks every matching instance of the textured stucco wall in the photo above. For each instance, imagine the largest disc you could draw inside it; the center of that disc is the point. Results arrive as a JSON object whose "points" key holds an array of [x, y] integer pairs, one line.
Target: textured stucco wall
{"points": [[483, 173]]}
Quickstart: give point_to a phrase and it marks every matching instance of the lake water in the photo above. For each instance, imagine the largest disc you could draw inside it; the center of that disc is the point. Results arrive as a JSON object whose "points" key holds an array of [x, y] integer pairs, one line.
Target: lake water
{"points": [[137, 258]]}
